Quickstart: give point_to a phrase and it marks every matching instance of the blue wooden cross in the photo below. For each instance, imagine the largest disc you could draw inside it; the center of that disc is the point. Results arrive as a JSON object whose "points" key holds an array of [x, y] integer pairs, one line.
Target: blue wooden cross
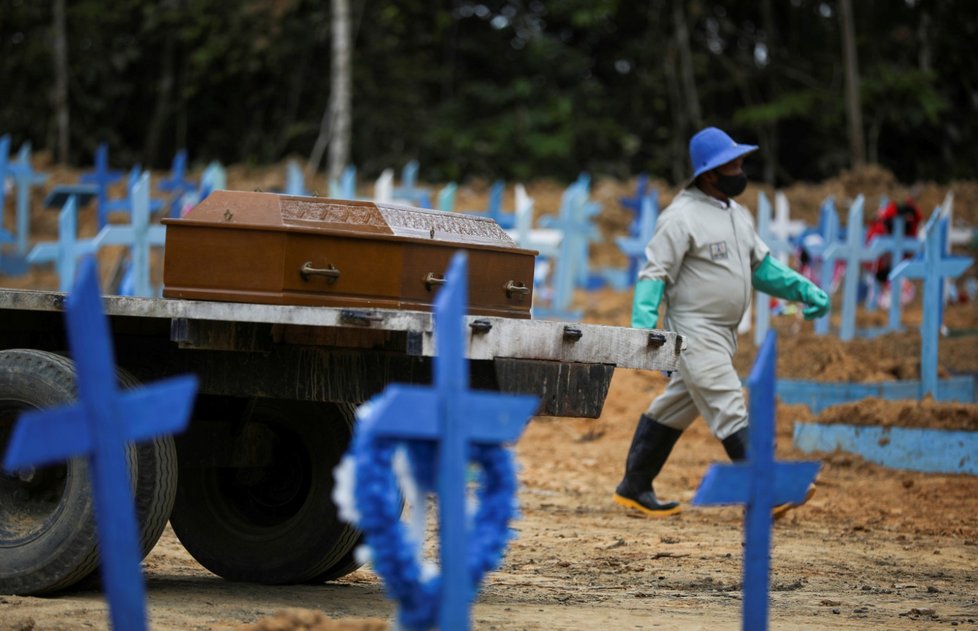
{"points": [[446, 197], [761, 483], [214, 178], [641, 231], [103, 177], [346, 187], [828, 227], [124, 204], [895, 245], [409, 191], [295, 179], [634, 203], [25, 178], [506, 220], [66, 251], [780, 249], [5, 237], [454, 415], [933, 267], [177, 184], [99, 426], [855, 251], [138, 236]]}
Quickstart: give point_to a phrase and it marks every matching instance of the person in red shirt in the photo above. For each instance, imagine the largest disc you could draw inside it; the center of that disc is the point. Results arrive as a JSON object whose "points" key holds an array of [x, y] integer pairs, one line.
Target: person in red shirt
{"points": [[883, 225]]}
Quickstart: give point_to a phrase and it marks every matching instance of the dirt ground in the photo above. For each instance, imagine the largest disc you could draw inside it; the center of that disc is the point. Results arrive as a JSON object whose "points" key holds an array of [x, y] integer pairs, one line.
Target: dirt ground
{"points": [[874, 549]]}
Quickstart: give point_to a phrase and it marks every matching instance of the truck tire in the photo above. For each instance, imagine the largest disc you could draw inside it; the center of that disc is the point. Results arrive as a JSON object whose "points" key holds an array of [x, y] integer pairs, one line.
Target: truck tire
{"points": [[266, 516], [48, 539], [156, 481]]}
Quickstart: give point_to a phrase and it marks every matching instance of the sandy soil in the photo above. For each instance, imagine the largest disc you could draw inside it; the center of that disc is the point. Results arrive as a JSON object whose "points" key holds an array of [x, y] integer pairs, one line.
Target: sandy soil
{"points": [[874, 549]]}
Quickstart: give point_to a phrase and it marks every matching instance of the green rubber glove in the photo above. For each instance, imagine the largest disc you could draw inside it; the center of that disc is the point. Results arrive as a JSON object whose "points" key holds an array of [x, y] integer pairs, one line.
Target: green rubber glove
{"points": [[645, 303], [777, 279]]}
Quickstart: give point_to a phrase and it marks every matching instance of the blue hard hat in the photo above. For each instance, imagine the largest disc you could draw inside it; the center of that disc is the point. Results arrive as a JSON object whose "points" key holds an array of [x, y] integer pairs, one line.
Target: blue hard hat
{"points": [[712, 147]]}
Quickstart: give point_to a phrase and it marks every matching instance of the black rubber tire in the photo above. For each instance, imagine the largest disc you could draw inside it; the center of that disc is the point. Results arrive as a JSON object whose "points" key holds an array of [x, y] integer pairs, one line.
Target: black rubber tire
{"points": [[275, 523], [156, 481], [48, 539]]}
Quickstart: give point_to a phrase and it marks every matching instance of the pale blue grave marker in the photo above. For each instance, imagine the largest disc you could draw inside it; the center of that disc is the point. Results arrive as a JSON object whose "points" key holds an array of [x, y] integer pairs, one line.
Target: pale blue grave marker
{"points": [[102, 178], [139, 236], [453, 417], [933, 267], [409, 191], [5, 236], [761, 483], [446, 197], [346, 187], [633, 246], [854, 251], [635, 202], [572, 258], [295, 179], [177, 184], [66, 251], [828, 223], [98, 427], [214, 178], [25, 178], [124, 204], [896, 245], [780, 248], [506, 220]]}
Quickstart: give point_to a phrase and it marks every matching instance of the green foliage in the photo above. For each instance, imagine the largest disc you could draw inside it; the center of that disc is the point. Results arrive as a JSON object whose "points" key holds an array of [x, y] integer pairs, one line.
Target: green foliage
{"points": [[500, 88]]}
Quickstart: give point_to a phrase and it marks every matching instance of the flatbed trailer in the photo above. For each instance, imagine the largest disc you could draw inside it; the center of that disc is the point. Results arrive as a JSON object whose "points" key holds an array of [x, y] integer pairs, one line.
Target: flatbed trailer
{"points": [[247, 487]]}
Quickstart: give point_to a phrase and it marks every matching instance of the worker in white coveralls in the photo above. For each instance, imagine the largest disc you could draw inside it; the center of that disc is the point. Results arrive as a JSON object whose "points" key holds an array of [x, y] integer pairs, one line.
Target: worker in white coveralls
{"points": [[705, 258]]}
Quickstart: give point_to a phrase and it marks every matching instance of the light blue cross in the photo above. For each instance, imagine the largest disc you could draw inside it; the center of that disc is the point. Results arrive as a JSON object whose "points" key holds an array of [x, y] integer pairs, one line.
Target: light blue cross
{"points": [[634, 204], [66, 251], [896, 245], [408, 190], [933, 267], [103, 177], [761, 483], [99, 426], [25, 178], [828, 227], [5, 237], [346, 187], [452, 414], [177, 184], [124, 204], [506, 220], [855, 252], [295, 179], [641, 231], [571, 265], [138, 236], [780, 248]]}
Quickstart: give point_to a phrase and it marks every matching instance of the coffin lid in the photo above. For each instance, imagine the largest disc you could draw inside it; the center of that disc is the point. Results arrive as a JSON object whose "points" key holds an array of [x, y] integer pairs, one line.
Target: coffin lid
{"points": [[297, 213]]}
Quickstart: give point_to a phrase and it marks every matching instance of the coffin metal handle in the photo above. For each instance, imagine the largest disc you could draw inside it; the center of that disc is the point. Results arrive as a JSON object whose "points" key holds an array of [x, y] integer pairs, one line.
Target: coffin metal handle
{"points": [[656, 340], [515, 288], [431, 279], [330, 272]]}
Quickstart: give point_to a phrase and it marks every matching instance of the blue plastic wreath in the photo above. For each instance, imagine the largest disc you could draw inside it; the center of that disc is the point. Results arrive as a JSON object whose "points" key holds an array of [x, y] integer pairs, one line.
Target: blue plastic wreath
{"points": [[394, 554]]}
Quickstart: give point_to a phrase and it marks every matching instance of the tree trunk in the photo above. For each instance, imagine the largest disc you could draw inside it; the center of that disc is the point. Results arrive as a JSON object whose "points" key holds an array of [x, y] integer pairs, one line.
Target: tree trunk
{"points": [[690, 94], [163, 103], [857, 144], [770, 130], [340, 97], [60, 94]]}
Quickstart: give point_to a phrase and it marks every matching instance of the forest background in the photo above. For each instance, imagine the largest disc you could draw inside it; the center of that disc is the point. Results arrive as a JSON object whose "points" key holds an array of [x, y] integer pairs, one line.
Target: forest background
{"points": [[515, 89]]}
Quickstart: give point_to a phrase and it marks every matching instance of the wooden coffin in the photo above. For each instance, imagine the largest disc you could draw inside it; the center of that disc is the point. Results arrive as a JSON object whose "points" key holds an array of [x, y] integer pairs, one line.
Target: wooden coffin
{"points": [[279, 249]]}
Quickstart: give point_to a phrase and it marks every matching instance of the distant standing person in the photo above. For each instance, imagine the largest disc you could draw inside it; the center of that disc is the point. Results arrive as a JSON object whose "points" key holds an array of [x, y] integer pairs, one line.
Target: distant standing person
{"points": [[704, 258]]}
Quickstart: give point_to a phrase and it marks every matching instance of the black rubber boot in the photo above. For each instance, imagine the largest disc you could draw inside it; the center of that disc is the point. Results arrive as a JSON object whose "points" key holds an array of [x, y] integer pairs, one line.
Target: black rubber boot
{"points": [[651, 446], [736, 448], [736, 445]]}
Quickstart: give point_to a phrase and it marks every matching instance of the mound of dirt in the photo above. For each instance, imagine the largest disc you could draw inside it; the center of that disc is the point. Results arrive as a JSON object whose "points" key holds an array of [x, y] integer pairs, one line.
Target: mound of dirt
{"points": [[297, 619], [926, 413]]}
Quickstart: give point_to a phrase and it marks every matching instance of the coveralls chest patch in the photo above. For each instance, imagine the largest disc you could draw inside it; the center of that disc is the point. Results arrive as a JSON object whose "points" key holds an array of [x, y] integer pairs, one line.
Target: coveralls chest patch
{"points": [[718, 251]]}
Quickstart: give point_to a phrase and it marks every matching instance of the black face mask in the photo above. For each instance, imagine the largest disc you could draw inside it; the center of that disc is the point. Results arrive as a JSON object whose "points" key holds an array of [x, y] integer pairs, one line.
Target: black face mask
{"points": [[731, 185]]}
